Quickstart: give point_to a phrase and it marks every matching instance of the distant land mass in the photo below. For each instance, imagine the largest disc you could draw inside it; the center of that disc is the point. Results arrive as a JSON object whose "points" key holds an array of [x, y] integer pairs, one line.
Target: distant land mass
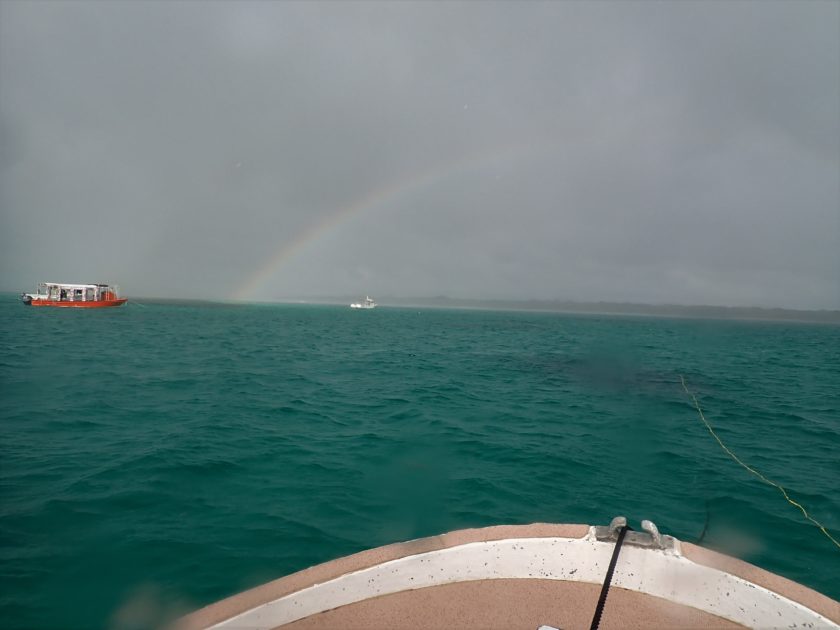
{"points": [[751, 313], [597, 308]]}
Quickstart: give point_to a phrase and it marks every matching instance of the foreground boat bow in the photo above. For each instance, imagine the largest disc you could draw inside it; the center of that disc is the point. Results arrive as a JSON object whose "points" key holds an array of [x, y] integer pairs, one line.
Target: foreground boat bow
{"points": [[526, 577]]}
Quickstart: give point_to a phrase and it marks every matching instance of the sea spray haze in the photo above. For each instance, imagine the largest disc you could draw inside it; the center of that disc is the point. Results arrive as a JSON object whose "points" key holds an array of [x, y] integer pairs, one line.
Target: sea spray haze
{"points": [[157, 457]]}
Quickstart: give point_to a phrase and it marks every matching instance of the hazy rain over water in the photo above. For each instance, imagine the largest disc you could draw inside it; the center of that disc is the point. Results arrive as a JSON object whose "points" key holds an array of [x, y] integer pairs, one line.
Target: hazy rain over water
{"points": [[651, 152]]}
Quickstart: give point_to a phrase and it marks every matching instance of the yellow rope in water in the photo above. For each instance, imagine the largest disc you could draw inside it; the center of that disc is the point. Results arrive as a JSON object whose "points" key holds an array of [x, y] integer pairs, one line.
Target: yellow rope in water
{"points": [[753, 470]]}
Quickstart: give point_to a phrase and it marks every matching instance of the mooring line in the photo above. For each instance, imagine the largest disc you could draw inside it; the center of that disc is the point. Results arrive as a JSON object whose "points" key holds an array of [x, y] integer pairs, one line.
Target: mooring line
{"points": [[753, 470]]}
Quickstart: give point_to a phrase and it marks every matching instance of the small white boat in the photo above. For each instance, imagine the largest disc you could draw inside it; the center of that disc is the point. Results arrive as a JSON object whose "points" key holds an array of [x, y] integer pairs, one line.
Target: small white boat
{"points": [[525, 577], [368, 303]]}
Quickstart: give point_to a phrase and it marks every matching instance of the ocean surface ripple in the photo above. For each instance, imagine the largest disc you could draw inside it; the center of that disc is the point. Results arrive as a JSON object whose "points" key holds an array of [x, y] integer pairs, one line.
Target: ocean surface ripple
{"points": [[158, 457]]}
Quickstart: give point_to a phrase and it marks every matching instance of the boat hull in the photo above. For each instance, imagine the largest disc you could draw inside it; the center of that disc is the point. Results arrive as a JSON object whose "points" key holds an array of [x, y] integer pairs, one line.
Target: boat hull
{"points": [[69, 304]]}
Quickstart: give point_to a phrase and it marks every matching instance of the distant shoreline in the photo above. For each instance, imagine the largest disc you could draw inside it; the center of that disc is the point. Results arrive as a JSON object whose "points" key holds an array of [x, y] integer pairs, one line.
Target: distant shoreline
{"points": [[742, 313], [678, 311], [736, 313]]}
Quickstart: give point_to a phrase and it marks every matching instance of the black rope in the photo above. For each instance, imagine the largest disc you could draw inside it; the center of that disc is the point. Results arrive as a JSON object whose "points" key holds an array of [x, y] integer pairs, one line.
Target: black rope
{"points": [[705, 526], [602, 600]]}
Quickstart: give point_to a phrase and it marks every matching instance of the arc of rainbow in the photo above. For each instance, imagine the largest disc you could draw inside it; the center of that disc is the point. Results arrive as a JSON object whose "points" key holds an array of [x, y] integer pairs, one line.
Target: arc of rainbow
{"points": [[377, 198]]}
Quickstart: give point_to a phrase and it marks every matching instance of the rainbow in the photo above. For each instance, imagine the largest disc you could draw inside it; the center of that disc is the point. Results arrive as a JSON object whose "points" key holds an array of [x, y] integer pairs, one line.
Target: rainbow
{"points": [[379, 198]]}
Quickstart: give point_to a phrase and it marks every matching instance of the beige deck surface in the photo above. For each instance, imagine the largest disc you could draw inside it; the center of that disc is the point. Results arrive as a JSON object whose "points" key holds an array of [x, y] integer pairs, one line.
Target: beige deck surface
{"points": [[501, 603], [510, 605]]}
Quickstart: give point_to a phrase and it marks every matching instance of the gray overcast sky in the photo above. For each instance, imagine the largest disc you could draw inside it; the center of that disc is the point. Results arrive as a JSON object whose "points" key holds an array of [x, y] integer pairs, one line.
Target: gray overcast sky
{"points": [[650, 152]]}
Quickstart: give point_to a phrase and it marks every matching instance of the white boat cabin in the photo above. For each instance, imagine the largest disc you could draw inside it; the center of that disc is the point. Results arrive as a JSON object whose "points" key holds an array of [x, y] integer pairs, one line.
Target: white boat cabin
{"points": [[60, 292], [368, 303]]}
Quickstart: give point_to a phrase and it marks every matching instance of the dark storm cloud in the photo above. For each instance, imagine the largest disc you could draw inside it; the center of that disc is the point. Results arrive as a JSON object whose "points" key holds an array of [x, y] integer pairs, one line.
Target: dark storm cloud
{"points": [[679, 152]]}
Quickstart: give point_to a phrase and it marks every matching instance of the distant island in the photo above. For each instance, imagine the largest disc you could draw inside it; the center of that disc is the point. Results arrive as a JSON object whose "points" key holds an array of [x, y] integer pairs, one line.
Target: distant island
{"points": [[599, 308], [752, 313]]}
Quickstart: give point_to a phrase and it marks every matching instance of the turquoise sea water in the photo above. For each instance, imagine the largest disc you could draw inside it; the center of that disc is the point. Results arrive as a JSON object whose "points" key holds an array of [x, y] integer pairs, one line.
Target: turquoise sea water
{"points": [[157, 457]]}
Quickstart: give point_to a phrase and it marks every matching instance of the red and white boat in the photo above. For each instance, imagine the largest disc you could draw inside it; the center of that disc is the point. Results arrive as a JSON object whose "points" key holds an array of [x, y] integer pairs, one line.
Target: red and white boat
{"points": [[74, 295]]}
